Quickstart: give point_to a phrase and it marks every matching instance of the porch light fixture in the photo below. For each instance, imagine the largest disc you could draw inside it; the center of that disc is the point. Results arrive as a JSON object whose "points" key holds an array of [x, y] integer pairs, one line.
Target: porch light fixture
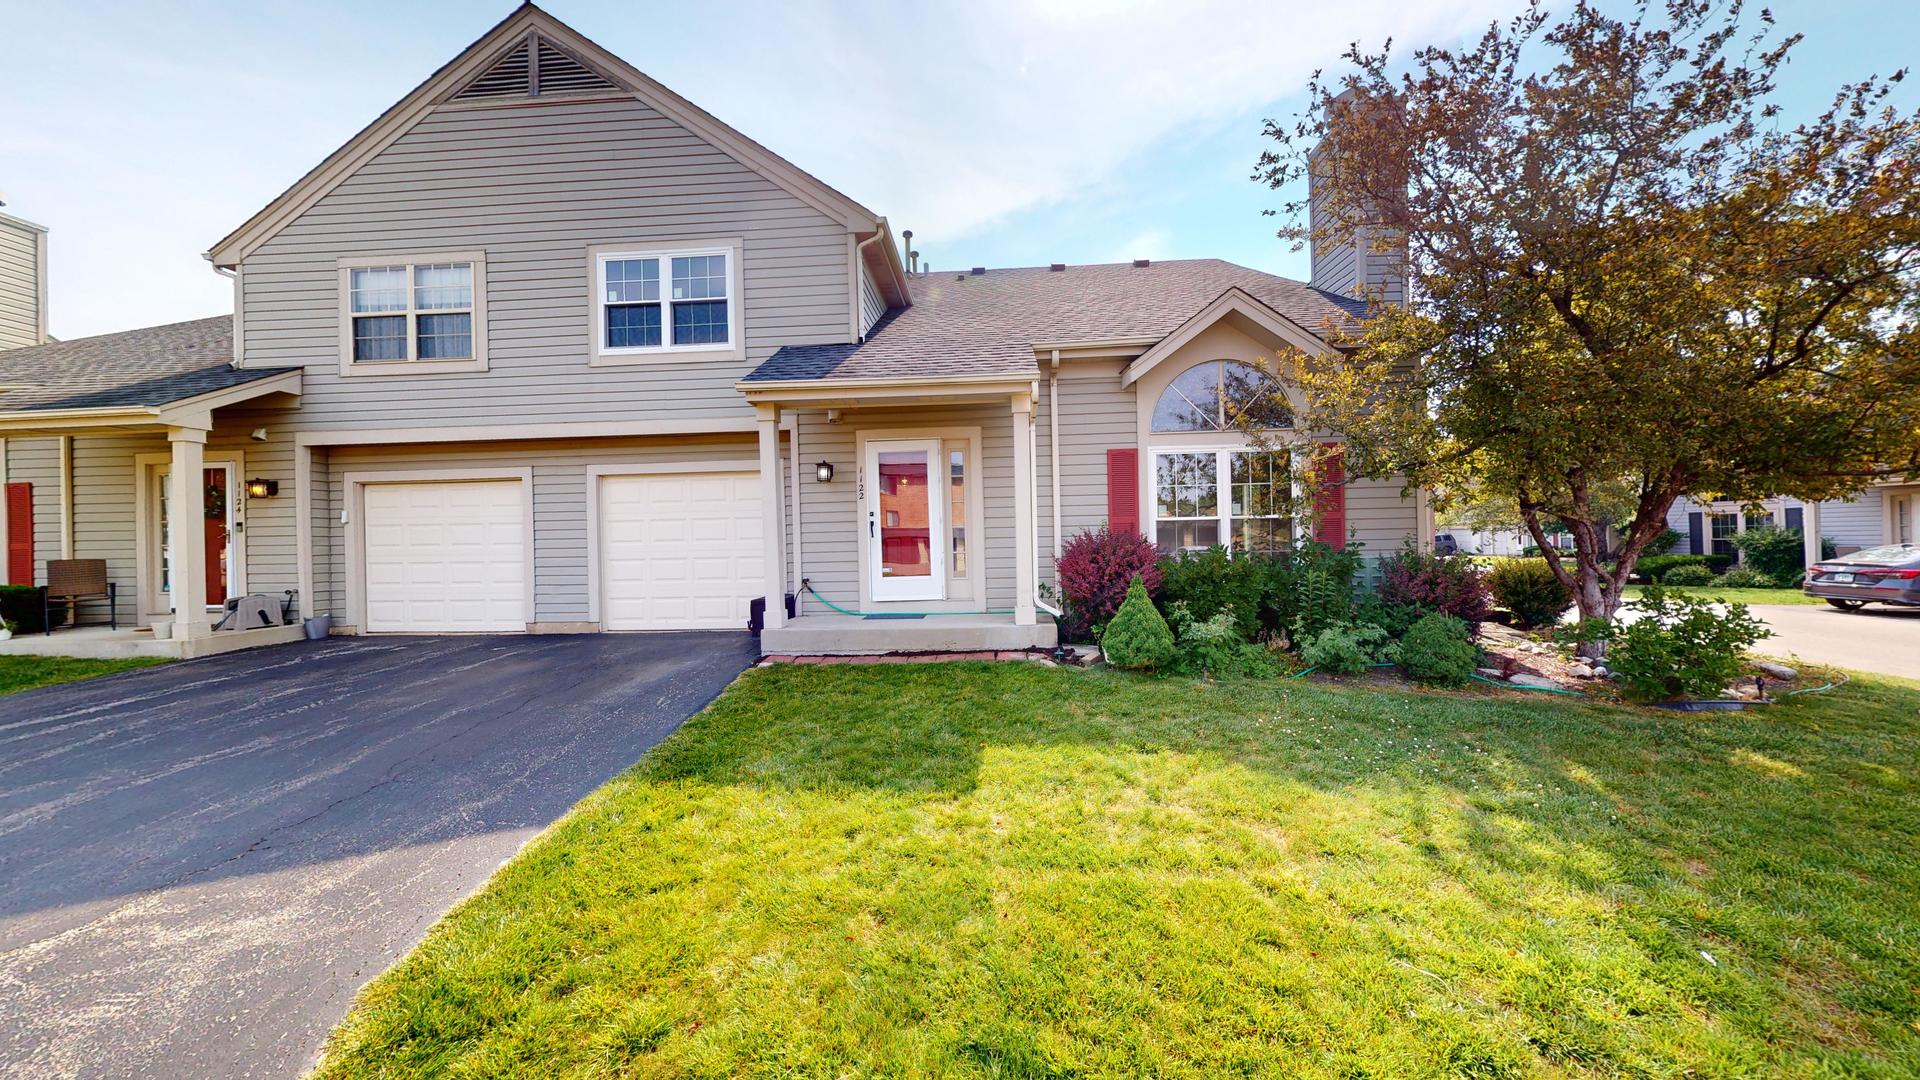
{"points": [[262, 489], [823, 472]]}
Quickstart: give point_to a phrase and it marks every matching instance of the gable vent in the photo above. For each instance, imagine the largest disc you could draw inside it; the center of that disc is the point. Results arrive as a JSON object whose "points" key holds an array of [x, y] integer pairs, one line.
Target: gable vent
{"points": [[534, 67], [511, 77], [560, 72]]}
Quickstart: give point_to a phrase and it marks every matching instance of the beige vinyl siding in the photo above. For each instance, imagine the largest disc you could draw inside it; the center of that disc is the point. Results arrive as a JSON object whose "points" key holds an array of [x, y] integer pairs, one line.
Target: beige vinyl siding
{"points": [[21, 319], [532, 187], [1379, 519], [1097, 414], [562, 499], [830, 518], [37, 462], [872, 304]]}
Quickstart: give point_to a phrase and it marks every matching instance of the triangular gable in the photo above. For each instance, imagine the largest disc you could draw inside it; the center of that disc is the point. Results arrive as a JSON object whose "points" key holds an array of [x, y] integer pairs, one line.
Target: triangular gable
{"points": [[1246, 313], [530, 25], [535, 67]]}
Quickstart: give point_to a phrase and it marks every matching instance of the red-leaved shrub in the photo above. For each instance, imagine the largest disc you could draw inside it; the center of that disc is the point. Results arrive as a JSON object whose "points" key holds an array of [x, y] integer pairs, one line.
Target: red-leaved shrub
{"points": [[1435, 583], [1095, 569]]}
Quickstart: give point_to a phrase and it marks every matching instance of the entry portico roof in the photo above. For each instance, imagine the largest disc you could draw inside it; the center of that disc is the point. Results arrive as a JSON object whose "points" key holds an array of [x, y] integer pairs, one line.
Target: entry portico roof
{"points": [[963, 324], [130, 373]]}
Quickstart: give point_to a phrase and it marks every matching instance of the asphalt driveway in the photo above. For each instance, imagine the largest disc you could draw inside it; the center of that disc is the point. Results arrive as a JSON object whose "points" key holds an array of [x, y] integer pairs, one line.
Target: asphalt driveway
{"points": [[201, 863], [1879, 639]]}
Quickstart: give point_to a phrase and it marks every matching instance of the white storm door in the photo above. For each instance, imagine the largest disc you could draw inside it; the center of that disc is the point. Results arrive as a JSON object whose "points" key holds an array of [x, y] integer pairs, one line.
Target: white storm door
{"points": [[906, 527], [446, 557], [680, 551]]}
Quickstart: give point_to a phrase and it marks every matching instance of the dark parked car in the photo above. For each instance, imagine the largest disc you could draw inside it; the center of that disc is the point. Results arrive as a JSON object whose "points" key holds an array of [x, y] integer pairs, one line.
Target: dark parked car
{"points": [[1882, 575]]}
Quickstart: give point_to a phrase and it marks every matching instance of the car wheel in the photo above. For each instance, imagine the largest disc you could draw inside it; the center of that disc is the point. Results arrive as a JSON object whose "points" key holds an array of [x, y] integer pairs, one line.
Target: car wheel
{"points": [[1847, 605]]}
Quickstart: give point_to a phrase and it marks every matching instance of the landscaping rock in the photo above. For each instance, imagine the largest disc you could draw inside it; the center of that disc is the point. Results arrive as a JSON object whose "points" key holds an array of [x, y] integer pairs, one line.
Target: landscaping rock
{"points": [[1581, 671], [1540, 682], [1086, 655], [1490, 673], [1778, 671]]}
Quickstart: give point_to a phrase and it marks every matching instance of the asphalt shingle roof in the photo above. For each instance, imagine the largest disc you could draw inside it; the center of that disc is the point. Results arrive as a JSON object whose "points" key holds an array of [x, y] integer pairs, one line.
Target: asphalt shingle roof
{"points": [[987, 324], [155, 365]]}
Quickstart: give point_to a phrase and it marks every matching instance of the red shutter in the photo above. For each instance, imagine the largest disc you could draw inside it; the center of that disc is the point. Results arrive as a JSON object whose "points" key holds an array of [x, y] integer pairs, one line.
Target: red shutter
{"points": [[1123, 490], [1330, 502], [19, 534]]}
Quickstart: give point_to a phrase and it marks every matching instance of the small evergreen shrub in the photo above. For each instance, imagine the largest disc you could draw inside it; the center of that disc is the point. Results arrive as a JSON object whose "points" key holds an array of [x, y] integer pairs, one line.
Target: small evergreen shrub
{"points": [[1347, 648], [1438, 650], [1780, 554], [1688, 574], [1095, 568], [1681, 646], [1395, 619], [1528, 588], [1746, 577], [1435, 583], [1214, 648], [1217, 580], [1138, 638]]}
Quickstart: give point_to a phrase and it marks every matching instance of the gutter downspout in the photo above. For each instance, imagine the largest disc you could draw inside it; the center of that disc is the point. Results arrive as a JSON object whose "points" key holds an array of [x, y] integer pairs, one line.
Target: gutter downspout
{"points": [[230, 275], [1033, 511], [793, 517], [1053, 448]]}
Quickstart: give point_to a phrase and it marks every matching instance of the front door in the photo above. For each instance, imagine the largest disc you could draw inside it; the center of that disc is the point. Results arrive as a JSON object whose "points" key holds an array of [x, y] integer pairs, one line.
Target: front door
{"points": [[906, 530], [216, 520]]}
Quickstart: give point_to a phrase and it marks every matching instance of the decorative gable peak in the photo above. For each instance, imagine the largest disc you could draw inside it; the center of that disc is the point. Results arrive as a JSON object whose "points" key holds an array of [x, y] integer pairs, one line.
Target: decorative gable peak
{"points": [[533, 68]]}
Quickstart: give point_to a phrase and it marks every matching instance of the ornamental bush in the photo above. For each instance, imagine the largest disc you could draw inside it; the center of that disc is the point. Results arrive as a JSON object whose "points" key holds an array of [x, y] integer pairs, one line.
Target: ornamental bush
{"points": [[1137, 638], [1095, 568], [1310, 585], [1439, 650], [1217, 580], [1528, 588], [1435, 583], [1347, 648], [1214, 648], [1682, 646], [20, 605], [1688, 574], [1746, 577], [1654, 567], [1780, 554]]}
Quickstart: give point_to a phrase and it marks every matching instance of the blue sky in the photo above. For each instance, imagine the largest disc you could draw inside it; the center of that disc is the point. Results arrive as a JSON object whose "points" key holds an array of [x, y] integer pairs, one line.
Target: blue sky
{"points": [[1002, 133]]}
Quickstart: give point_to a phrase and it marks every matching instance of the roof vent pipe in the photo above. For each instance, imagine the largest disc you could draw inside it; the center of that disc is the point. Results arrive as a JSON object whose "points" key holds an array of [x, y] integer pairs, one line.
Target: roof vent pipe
{"points": [[1139, 263], [1057, 267], [906, 241], [979, 270]]}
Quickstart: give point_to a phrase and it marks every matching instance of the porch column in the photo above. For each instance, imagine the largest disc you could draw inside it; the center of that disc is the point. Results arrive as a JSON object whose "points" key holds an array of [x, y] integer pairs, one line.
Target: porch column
{"points": [[1810, 526], [771, 506], [186, 538], [1026, 534]]}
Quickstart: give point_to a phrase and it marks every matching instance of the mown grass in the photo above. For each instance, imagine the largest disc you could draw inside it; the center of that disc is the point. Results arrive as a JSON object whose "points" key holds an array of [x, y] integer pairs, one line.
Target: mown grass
{"points": [[1731, 596], [27, 672], [1002, 870]]}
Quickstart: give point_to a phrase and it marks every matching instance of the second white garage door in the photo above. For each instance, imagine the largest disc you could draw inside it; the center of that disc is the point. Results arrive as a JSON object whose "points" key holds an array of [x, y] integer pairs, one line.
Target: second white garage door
{"points": [[446, 557], [680, 551]]}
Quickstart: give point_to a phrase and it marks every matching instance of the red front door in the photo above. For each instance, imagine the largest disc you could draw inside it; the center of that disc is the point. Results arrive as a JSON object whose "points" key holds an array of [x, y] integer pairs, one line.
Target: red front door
{"points": [[217, 494]]}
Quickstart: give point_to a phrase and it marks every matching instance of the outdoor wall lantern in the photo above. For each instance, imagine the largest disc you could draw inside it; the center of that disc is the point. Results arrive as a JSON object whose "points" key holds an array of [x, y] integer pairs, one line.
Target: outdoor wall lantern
{"points": [[823, 472], [262, 489]]}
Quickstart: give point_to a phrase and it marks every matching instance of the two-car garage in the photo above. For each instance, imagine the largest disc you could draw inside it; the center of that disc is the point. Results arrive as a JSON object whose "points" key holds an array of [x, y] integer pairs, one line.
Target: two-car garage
{"points": [[460, 551]]}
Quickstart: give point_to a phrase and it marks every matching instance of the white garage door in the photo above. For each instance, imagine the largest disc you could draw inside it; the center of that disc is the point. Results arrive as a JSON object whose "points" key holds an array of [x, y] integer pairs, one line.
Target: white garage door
{"points": [[680, 551], [446, 557]]}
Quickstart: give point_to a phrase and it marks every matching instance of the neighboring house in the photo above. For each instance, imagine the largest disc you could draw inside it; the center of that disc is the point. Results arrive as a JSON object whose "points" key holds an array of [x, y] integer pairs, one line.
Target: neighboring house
{"points": [[23, 282], [547, 348], [1885, 513]]}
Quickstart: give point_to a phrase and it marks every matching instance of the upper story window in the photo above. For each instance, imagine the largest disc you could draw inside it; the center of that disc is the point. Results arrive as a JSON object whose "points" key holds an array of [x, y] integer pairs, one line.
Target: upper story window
{"points": [[1221, 395], [414, 315], [657, 302]]}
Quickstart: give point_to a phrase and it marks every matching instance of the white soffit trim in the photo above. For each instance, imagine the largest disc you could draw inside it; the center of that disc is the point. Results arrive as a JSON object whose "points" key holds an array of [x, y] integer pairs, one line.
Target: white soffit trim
{"points": [[476, 59], [1233, 302]]}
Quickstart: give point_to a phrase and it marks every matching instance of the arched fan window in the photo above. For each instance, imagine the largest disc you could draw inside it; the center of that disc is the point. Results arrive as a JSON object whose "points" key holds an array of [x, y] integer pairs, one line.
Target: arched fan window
{"points": [[1221, 395]]}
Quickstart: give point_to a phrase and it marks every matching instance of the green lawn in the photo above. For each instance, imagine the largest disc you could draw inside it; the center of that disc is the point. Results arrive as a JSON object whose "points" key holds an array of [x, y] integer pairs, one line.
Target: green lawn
{"points": [[1743, 596], [27, 672], [1003, 870]]}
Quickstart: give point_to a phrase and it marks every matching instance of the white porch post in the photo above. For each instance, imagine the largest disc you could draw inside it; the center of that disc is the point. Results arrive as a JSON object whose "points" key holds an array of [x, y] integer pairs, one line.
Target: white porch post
{"points": [[186, 540], [1026, 534], [1810, 526], [771, 492]]}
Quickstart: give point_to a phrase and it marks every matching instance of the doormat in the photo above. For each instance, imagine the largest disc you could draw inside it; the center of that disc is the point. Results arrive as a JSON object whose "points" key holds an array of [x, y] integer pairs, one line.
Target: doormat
{"points": [[894, 615]]}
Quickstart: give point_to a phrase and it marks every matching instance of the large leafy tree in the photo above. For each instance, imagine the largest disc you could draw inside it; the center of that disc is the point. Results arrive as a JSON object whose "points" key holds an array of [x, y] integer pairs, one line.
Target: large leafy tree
{"points": [[1629, 276]]}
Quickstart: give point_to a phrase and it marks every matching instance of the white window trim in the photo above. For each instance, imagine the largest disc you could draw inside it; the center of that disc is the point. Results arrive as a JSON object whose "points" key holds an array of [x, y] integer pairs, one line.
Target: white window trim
{"points": [[1223, 473], [350, 368], [598, 255]]}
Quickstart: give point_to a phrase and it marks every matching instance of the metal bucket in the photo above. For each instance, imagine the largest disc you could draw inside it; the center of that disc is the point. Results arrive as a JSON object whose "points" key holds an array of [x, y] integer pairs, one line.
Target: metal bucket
{"points": [[318, 627]]}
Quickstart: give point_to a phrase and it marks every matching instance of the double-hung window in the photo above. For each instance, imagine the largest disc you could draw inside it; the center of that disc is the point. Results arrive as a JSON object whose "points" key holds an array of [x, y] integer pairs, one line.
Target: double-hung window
{"points": [[665, 301], [413, 315], [1241, 499]]}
